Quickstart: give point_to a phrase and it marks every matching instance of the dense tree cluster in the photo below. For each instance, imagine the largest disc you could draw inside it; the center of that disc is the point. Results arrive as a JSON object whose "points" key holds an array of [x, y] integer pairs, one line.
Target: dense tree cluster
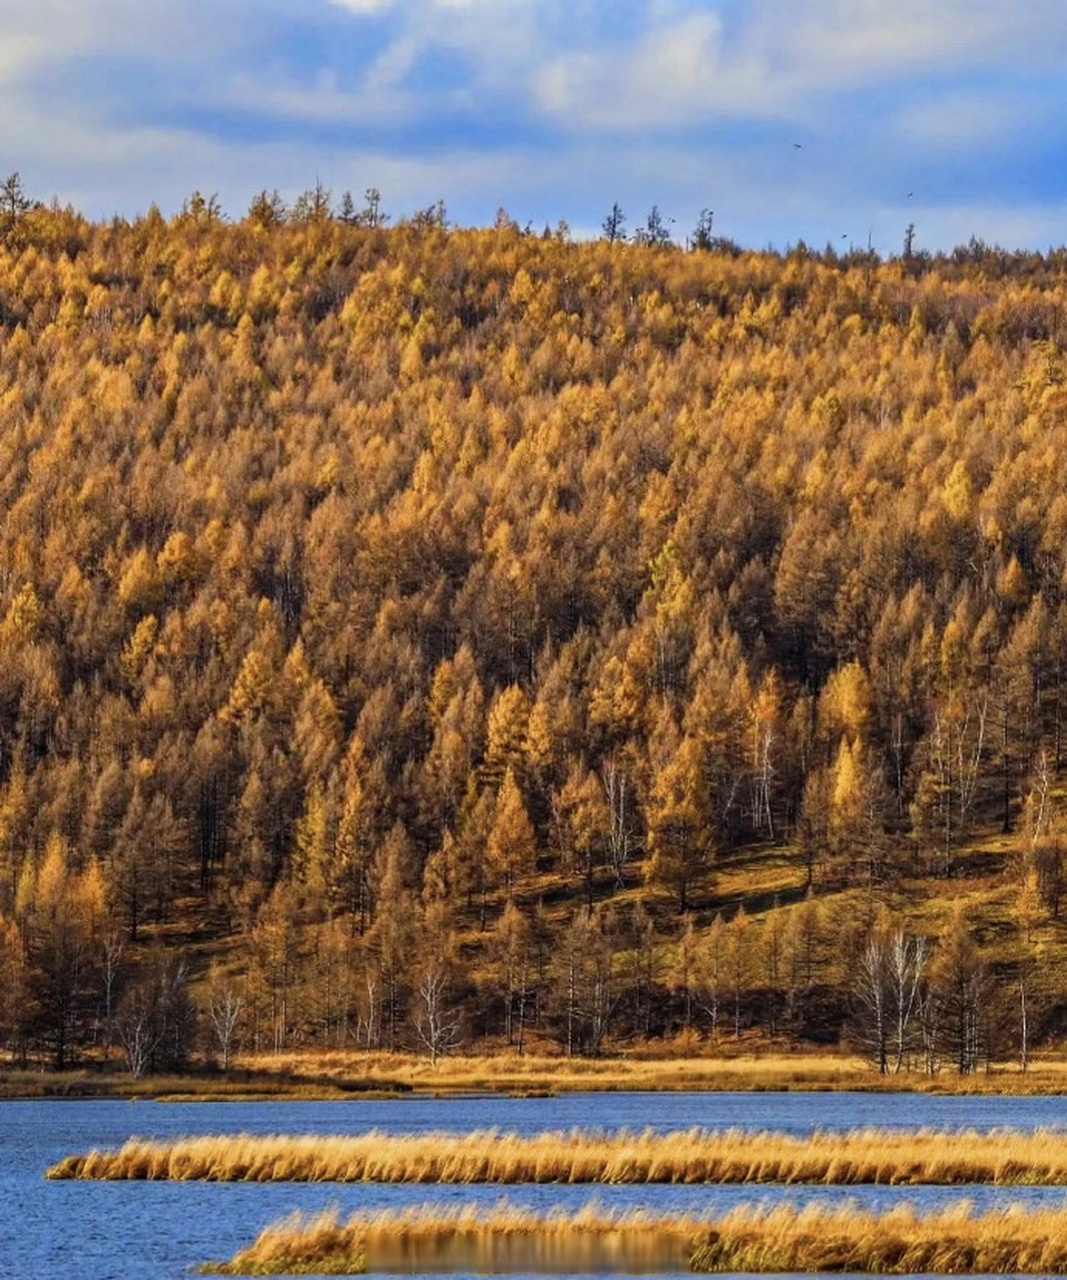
{"points": [[428, 616]]}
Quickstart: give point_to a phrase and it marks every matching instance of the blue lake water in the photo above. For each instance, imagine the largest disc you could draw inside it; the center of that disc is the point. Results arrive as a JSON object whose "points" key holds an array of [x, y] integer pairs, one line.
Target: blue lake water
{"points": [[162, 1231]]}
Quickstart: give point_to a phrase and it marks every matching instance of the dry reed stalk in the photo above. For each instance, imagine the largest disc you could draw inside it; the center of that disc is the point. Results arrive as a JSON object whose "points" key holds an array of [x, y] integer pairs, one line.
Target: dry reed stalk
{"points": [[433, 1238], [746, 1239], [820, 1238], [878, 1156]]}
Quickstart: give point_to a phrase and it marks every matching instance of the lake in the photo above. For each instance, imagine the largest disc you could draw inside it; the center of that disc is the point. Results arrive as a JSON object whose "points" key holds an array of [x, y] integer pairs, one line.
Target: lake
{"points": [[162, 1231]]}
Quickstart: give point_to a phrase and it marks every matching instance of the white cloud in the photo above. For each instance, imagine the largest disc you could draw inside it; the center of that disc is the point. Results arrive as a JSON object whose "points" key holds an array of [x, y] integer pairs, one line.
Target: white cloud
{"points": [[363, 6], [497, 41], [969, 119], [673, 72], [48, 31], [776, 61], [846, 42], [422, 9], [880, 91], [392, 68]]}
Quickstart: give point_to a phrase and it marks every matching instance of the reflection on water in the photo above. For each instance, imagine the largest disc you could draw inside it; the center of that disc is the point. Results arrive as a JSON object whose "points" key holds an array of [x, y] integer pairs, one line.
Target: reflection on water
{"points": [[160, 1231], [609, 1252]]}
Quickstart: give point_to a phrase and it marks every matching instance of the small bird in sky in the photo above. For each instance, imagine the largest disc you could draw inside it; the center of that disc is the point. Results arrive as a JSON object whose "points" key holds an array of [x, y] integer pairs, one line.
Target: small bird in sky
{"points": [[798, 146], [910, 194]]}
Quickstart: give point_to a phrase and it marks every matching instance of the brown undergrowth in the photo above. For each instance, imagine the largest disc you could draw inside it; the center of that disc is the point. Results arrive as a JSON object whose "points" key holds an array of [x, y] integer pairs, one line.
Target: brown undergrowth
{"points": [[1004, 1157], [746, 1239]]}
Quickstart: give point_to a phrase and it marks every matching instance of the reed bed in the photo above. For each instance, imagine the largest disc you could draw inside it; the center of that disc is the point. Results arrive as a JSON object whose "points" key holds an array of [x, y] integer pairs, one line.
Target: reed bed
{"points": [[900, 1241], [432, 1238], [746, 1239], [916, 1157]]}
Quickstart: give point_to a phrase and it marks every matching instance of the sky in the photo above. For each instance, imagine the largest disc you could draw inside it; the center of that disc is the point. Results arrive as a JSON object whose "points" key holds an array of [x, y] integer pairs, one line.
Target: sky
{"points": [[828, 121]]}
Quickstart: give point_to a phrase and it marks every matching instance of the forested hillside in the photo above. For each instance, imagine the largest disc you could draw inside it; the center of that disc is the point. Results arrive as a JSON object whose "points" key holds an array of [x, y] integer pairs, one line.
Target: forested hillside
{"points": [[418, 635]]}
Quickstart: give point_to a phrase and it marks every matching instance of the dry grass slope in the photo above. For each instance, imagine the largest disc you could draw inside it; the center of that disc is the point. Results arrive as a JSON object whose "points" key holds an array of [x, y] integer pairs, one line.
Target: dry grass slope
{"points": [[747, 1239], [1001, 1158], [749, 1066], [340, 1074], [531, 1072]]}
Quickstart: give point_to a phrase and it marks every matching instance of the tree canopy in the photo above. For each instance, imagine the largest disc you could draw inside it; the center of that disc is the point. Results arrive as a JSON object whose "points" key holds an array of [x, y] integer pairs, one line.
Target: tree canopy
{"points": [[337, 557]]}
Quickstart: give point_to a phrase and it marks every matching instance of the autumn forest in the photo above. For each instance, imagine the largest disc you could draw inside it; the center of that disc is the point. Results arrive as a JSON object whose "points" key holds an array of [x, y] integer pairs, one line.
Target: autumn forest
{"points": [[425, 637]]}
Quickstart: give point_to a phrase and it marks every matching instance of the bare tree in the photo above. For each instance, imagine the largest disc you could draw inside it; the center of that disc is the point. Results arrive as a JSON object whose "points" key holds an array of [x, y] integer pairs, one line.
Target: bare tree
{"points": [[948, 786], [138, 1033], [155, 1019], [711, 970], [437, 1021], [621, 828], [114, 944], [225, 1004], [872, 1018], [906, 965]]}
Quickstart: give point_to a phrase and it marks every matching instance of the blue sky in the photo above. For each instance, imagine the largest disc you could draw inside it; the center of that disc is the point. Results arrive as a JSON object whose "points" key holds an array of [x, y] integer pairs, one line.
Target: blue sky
{"points": [[951, 114]]}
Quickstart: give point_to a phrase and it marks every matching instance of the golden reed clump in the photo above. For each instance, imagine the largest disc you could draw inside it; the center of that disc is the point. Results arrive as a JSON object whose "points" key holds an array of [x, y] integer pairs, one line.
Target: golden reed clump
{"points": [[899, 1241], [746, 1239], [1001, 1158], [449, 1238]]}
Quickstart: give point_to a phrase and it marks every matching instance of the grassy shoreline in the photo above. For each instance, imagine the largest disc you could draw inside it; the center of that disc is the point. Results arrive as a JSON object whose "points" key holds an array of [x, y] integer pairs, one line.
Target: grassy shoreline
{"points": [[337, 1074], [864, 1156], [746, 1239], [238, 1086]]}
